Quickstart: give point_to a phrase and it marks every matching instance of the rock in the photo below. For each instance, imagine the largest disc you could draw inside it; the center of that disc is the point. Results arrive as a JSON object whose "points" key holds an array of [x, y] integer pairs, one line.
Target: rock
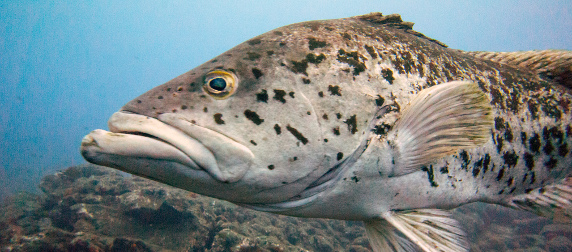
{"points": [[559, 244], [93, 208]]}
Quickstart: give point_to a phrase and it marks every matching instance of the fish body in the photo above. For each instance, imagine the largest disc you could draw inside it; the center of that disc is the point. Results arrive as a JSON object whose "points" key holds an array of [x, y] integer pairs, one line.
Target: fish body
{"points": [[359, 118]]}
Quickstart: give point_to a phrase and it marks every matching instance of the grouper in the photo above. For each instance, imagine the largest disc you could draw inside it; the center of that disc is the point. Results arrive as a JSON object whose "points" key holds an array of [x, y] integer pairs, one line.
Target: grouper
{"points": [[359, 118]]}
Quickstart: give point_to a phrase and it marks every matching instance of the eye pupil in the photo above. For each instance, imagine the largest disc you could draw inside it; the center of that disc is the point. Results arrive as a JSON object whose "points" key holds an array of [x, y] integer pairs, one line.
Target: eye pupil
{"points": [[218, 84]]}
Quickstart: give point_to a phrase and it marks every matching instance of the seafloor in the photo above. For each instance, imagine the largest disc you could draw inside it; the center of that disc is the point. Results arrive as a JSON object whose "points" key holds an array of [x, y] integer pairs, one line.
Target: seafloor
{"points": [[93, 208]]}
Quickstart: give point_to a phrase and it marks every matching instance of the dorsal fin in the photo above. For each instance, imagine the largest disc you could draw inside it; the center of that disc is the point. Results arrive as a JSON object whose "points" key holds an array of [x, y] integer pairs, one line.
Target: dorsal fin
{"points": [[555, 65], [395, 21]]}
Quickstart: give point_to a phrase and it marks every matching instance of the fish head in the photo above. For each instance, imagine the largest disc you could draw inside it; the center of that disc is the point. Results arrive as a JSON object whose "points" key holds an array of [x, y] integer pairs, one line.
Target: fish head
{"points": [[234, 128]]}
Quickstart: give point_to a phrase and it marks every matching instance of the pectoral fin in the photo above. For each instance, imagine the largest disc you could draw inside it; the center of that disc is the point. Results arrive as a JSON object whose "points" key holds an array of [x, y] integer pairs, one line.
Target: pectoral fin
{"points": [[429, 229], [440, 121]]}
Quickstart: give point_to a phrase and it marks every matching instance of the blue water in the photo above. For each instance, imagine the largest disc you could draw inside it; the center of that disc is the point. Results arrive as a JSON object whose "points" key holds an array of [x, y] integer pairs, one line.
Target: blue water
{"points": [[65, 66]]}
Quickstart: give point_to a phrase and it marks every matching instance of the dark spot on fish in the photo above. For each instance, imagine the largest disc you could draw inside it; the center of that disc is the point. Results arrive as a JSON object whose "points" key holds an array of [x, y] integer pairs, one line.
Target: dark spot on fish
{"points": [[338, 115], [371, 51], [252, 56], [218, 118], [306, 81], [294, 158], [510, 158], [255, 41], [279, 33], [340, 156], [138, 101], [512, 190], [529, 161], [279, 95], [282, 44], [314, 43], [262, 96], [486, 163], [321, 94], [548, 147], [509, 181], [524, 178], [556, 134], [523, 138], [534, 143], [551, 111], [291, 94], [168, 89], [533, 109], [545, 133], [499, 143], [465, 157], [311, 58], [563, 150], [325, 140], [174, 110], [444, 169], [269, 53], [183, 107], [352, 59], [257, 73], [334, 90], [252, 116], [381, 129], [179, 89], [297, 134], [253, 143], [499, 123], [345, 35], [388, 75], [430, 175], [352, 124], [336, 131], [271, 167], [205, 109], [160, 97], [308, 112], [501, 174], [300, 67], [477, 167], [379, 100], [325, 116], [277, 129], [501, 191], [551, 163], [355, 179], [532, 177]]}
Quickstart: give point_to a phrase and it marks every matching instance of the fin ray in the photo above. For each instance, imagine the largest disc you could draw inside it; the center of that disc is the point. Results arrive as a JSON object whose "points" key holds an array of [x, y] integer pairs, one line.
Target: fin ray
{"points": [[552, 201], [430, 229], [439, 121], [382, 237]]}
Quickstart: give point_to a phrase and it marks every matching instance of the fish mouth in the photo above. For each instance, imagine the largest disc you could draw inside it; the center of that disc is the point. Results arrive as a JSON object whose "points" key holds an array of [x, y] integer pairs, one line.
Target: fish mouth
{"points": [[169, 137]]}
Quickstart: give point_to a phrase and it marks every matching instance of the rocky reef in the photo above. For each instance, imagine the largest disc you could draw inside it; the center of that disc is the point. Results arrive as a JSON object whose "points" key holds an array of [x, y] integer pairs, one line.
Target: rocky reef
{"points": [[93, 208]]}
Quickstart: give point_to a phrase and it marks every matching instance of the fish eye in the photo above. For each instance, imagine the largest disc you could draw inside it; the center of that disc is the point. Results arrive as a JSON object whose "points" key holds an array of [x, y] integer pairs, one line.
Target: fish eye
{"points": [[220, 84]]}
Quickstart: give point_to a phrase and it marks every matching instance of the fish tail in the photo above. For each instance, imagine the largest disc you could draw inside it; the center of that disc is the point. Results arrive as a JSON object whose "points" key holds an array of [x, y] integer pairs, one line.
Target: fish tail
{"points": [[554, 65]]}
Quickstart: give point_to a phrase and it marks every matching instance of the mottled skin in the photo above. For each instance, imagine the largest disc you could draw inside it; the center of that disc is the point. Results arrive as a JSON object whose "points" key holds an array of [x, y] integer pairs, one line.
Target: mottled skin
{"points": [[307, 93]]}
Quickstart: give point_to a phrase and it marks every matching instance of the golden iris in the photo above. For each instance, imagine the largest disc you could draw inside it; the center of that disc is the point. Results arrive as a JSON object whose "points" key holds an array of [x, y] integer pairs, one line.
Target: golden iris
{"points": [[220, 84]]}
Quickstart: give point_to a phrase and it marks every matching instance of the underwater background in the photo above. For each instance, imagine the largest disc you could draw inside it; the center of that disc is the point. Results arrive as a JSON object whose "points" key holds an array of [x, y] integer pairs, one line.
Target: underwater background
{"points": [[66, 66]]}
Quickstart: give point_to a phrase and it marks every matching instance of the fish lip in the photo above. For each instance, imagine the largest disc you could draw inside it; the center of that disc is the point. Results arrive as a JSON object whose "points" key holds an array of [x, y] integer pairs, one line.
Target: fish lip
{"points": [[130, 123]]}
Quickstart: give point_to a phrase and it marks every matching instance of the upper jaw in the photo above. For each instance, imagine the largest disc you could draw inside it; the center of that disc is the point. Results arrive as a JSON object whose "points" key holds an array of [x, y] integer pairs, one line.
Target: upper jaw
{"points": [[169, 137]]}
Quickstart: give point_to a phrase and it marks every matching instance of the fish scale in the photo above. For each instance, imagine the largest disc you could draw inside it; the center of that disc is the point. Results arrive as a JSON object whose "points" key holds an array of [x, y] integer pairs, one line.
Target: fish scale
{"points": [[360, 118]]}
